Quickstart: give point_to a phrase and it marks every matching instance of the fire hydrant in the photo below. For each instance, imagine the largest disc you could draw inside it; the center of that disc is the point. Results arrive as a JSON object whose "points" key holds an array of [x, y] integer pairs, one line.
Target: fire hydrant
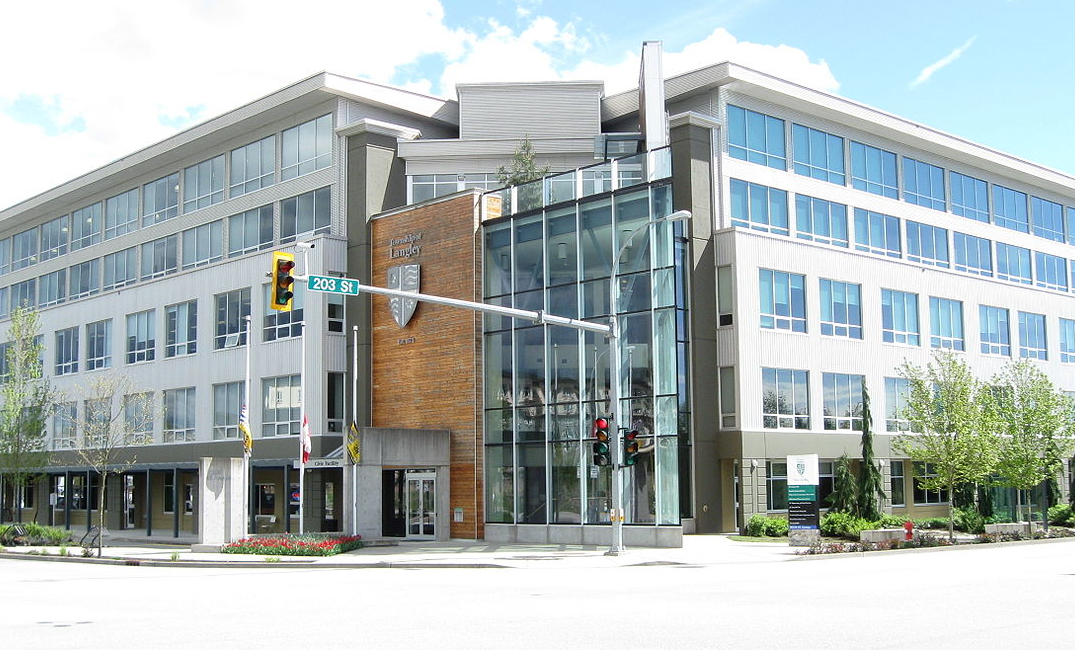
{"points": [[908, 528]]}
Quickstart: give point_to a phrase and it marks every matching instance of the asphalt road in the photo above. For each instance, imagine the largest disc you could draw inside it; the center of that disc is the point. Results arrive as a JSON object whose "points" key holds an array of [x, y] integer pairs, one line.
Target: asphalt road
{"points": [[1003, 596]]}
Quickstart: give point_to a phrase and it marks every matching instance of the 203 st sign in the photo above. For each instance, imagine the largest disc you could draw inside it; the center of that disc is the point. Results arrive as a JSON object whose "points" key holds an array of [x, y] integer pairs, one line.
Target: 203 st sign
{"points": [[328, 284]]}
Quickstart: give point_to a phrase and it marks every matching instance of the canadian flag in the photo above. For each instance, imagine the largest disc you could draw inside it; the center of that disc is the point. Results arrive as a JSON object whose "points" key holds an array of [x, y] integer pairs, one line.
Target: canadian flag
{"points": [[304, 440]]}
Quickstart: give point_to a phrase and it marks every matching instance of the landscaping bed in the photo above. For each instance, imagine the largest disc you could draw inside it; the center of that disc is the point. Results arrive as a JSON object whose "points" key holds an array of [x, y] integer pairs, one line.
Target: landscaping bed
{"points": [[311, 545]]}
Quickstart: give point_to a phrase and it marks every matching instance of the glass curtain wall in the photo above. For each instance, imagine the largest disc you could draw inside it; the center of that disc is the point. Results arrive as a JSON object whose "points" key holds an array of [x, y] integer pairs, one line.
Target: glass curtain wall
{"points": [[545, 384]]}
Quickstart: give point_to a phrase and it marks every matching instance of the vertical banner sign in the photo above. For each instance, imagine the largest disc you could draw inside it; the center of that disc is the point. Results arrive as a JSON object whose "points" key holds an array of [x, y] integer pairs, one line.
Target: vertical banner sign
{"points": [[802, 492]]}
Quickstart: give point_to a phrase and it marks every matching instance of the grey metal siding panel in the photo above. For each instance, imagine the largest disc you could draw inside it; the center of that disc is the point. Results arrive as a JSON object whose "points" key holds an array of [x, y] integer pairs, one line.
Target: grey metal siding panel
{"points": [[514, 110]]}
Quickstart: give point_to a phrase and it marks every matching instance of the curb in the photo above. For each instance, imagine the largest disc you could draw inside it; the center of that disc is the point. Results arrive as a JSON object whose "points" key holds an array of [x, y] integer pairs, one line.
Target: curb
{"points": [[290, 564]]}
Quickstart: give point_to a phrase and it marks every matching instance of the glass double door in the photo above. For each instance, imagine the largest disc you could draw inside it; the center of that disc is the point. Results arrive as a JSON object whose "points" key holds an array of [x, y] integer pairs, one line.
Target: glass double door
{"points": [[421, 505]]}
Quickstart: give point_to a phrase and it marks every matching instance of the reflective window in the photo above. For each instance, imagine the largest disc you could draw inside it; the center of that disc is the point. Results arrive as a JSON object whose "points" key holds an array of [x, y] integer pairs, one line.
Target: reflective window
{"points": [[896, 391], [927, 244], [970, 197], [841, 311], [1009, 209], [121, 214], [821, 221], [253, 166], [1067, 340], [5, 256], [138, 417], [24, 294], [227, 401], [283, 324], [946, 324], [203, 245], [179, 415], [430, 186], [159, 257], [281, 406], [141, 338], [306, 148], [873, 170], [86, 226], [785, 402], [923, 184], [759, 207], [973, 254], [897, 489], [993, 324], [99, 344], [842, 401], [1050, 271], [24, 249], [231, 310], [203, 184], [776, 485], [756, 138], [818, 154], [783, 300], [160, 200], [181, 328], [1013, 263], [54, 238], [250, 231], [877, 233], [1032, 344], [899, 317], [1048, 219], [121, 268], [1069, 221], [84, 279], [305, 214], [52, 288], [64, 430], [67, 351]]}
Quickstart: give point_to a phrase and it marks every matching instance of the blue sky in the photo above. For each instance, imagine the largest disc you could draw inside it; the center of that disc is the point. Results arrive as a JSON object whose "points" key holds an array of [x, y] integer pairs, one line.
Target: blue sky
{"points": [[107, 79]]}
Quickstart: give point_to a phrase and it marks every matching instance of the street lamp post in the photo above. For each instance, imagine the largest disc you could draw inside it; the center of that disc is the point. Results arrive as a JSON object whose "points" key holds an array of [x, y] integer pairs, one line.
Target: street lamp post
{"points": [[614, 337]]}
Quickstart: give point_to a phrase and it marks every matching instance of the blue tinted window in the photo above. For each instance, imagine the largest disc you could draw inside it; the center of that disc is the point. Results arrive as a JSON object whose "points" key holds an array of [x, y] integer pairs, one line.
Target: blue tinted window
{"points": [[970, 197], [873, 170], [759, 207], [1009, 209], [1032, 336], [818, 154], [927, 244], [1069, 220], [973, 254], [783, 300], [821, 221], [1013, 263], [923, 184], [993, 322], [843, 401], [756, 138], [785, 398], [1050, 271], [1067, 340], [1048, 219], [899, 317], [877, 233], [945, 324], [841, 311]]}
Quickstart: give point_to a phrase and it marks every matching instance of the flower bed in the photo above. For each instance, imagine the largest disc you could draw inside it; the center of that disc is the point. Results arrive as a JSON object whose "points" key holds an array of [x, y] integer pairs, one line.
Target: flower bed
{"points": [[318, 545]]}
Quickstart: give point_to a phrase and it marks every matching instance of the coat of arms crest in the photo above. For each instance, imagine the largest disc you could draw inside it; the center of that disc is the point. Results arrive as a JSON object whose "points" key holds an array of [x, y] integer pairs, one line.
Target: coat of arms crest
{"points": [[405, 277]]}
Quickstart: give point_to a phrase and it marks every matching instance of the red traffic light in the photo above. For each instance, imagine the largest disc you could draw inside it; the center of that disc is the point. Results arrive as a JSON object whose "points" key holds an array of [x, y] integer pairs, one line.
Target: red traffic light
{"points": [[600, 429]]}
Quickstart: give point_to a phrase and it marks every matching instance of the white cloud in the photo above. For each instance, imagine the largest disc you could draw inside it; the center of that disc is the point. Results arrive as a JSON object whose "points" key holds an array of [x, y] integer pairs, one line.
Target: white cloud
{"points": [[929, 70]]}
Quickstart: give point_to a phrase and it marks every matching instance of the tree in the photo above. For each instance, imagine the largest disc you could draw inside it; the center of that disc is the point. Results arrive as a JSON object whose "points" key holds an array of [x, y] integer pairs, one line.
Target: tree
{"points": [[870, 482], [1032, 415], [28, 401], [523, 169], [113, 419], [957, 433], [843, 497]]}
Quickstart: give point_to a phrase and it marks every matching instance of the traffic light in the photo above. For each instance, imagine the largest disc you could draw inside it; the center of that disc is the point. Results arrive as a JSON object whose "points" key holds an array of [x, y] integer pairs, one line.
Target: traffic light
{"points": [[282, 266], [602, 454], [630, 447]]}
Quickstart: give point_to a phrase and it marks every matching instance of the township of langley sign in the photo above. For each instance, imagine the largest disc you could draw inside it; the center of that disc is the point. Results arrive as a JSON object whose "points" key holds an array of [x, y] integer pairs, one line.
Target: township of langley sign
{"points": [[803, 479]]}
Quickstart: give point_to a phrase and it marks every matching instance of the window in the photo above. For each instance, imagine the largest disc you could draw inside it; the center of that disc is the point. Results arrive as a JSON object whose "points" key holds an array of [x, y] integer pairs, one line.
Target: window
{"points": [[927, 244], [121, 214], [1009, 208], [1048, 219], [250, 231], [923, 184], [430, 186], [821, 221], [98, 422], [756, 138], [873, 170], [1067, 340], [899, 317], [482, 181], [24, 249], [283, 324], [203, 184], [160, 200], [227, 400], [305, 214], [785, 398], [65, 426], [99, 345], [52, 288], [1013, 263], [1051, 271], [877, 233], [67, 351], [946, 324], [54, 238], [921, 496], [1032, 343], [841, 311], [725, 296], [334, 311], [783, 300], [970, 197], [84, 279], [776, 485], [86, 227], [896, 484], [281, 399], [141, 342], [253, 166], [973, 254], [169, 493], [159, 257], [231, 310], [1069, 220], [993, 323], [5, 306], [121, 268], [24, 294], [203, 245], [818, 154], [306, 148], [759, 207], [5, 256], [181, 327], [896, 391], [335, 404], [726, 377], [179, 410], [138, 418], [843, 401]]}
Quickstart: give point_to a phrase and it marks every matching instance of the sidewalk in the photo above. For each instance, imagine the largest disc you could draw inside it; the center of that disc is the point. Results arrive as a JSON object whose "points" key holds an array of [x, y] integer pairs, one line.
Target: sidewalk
{"points": [[698, 550]]}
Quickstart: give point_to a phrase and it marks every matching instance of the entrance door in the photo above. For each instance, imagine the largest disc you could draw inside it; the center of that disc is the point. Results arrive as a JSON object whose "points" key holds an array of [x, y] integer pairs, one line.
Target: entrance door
{"points": [[421, 505], [128, 501]]}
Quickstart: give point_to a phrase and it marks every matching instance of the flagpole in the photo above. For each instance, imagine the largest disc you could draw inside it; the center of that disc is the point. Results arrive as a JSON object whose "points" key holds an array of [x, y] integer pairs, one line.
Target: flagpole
{"points": [[242, 436], [354, 422], [305, 421]]}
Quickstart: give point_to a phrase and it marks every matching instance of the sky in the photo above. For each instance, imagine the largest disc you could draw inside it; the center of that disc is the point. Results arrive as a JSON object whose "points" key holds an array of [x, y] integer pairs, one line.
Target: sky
{"points": [[85, 83]]}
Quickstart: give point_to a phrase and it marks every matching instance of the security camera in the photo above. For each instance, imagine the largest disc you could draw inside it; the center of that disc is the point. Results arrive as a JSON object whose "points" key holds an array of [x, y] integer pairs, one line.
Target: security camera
{"points": [[304, 246]]}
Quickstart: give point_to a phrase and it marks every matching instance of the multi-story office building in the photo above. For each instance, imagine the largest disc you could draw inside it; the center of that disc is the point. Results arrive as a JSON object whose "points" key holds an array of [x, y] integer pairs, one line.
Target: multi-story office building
{"points": [[829, 243]]}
